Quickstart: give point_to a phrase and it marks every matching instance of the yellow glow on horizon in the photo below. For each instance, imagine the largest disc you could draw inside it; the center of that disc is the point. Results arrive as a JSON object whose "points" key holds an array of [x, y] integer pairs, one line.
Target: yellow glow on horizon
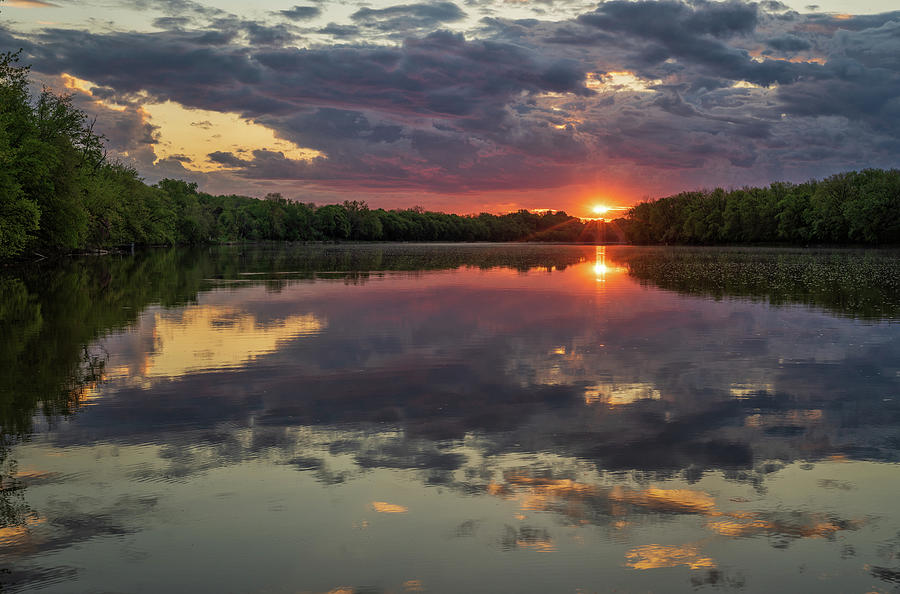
{"points": [[194, 133], [600, 209]]}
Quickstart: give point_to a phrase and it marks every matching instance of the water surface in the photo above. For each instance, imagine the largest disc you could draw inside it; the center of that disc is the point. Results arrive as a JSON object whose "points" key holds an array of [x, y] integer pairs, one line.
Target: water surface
{"points": [[466, 418]]}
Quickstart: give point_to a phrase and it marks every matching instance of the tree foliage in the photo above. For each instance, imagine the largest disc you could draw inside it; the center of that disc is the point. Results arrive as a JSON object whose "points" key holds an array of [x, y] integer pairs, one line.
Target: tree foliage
{"points": [[854, 207]]}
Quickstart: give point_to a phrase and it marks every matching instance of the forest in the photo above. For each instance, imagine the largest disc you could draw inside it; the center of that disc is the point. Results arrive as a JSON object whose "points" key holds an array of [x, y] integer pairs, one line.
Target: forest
{"points": [[60, 194], [857, 207]]}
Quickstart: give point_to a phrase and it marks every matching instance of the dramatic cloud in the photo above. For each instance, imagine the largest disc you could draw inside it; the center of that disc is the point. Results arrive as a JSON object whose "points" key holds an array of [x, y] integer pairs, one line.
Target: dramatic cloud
{"points": [[406, 17], [301, 13], [648, 97]]}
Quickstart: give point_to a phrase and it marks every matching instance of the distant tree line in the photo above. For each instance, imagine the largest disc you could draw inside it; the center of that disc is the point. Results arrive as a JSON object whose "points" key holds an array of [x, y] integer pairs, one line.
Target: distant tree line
{"points": [[204, 218], [857, 207]]}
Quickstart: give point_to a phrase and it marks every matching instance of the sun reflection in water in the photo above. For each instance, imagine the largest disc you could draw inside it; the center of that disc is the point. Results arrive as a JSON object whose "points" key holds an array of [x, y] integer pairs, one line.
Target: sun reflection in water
{"points": [[601, 267]]}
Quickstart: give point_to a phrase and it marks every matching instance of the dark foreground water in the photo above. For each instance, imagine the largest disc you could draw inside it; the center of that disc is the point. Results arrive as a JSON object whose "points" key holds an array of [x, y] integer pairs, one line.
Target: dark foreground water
{"points": [[480, 418]]}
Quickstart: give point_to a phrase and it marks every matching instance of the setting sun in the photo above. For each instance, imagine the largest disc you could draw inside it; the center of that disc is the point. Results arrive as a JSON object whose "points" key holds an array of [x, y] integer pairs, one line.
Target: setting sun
{"points": [[600, 209]]}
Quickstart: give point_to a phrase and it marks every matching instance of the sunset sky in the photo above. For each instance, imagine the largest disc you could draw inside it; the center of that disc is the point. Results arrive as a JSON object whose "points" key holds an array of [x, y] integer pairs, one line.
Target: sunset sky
{"points": [[475, 105]]}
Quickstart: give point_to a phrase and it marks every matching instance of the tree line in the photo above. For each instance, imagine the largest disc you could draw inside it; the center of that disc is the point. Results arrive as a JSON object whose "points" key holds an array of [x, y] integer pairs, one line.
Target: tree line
{"points": [[861, 207], [204, 218]]}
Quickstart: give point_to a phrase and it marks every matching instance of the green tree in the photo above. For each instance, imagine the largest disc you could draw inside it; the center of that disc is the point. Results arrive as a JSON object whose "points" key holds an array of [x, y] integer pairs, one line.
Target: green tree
{"points": [[19, 213], [332, 222]]}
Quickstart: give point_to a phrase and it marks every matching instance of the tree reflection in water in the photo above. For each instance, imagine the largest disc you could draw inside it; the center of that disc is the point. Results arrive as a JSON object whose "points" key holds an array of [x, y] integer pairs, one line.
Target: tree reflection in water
{"points": [[515, 377]]}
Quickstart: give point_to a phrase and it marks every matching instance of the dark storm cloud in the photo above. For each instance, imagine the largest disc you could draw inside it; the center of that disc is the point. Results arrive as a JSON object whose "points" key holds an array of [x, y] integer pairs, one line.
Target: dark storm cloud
{"points": [[864, 80], [264, 35], [859, 22], [175, 6], [405, 17], [339, 31], [308, 96], [437, 74], [674, 21], [331, 129], [172, 22], [754, 88], [699, 34], [301, 13], [774, 5], [165, 60], [789, 43], [226, 158]]}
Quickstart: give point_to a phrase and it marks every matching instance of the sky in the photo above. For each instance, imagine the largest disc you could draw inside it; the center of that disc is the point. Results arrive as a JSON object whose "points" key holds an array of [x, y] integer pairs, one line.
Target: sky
{"points": [[475, 105]]}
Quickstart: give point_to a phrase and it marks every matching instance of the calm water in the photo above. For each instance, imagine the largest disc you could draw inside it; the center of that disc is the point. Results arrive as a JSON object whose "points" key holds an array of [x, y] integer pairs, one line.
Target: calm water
{"points": [[452, 419]]}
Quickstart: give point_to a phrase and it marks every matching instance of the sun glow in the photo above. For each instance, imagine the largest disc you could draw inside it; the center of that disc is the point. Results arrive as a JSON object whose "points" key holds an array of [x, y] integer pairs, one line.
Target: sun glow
{"points": [[600, 211]]}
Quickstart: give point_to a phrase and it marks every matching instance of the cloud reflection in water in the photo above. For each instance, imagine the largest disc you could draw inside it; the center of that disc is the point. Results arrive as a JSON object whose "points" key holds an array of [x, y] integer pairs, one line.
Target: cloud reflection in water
{"points": [[534, 405]]}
